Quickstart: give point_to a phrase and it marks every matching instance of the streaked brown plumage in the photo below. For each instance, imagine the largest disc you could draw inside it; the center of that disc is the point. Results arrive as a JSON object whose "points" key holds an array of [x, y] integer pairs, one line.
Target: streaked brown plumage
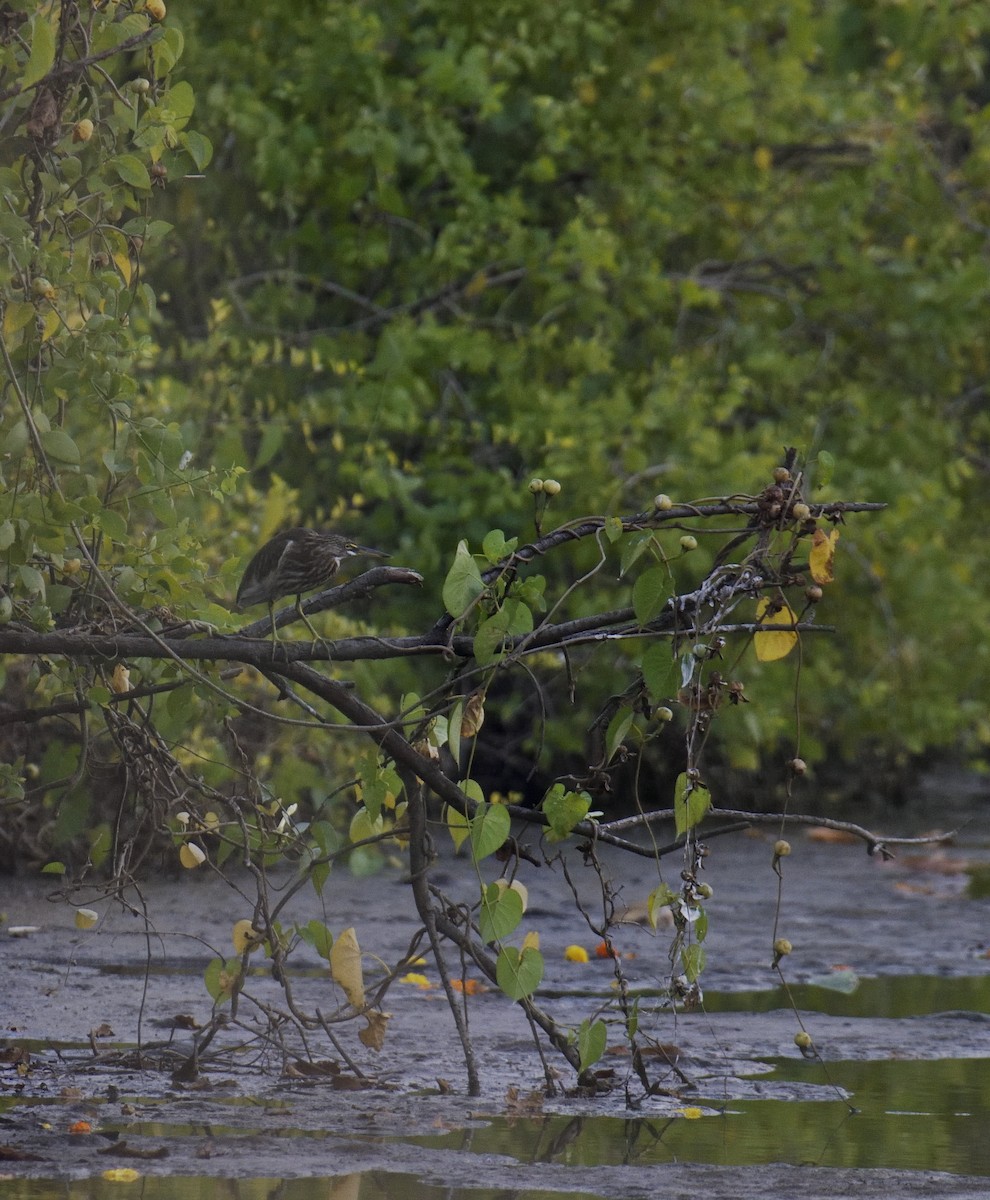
{"points": [[293, 562]]}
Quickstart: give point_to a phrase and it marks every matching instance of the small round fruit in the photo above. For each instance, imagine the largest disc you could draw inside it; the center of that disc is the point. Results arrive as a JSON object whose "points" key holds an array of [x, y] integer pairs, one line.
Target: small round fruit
{"points": [[155, 9], [82, 131], [689, 542], [662, 502], [781, 475], [781, 848], [800, 512], [781, 947], [803, 1040], [663, 713], [158, 170], [43, 287], [140, 85], [551, 487], [536, 486], [706, 891], [813, 593], [798, 766]]}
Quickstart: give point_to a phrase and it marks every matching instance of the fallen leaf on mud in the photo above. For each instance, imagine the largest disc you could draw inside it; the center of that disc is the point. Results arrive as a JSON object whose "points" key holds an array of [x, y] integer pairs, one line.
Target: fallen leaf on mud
{"points": [[101, 1031], [468, 987], [416, 980], [14, 1055], [838, 837], [323, 1067], [125, 1150], [518, 1105], [121, 1175], [12, 1154], [80, 1127], [914, 889]]}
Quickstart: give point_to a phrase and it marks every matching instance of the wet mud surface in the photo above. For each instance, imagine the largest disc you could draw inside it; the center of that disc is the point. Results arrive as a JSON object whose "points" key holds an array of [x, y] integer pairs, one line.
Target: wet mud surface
{"points": [[848, 916]]}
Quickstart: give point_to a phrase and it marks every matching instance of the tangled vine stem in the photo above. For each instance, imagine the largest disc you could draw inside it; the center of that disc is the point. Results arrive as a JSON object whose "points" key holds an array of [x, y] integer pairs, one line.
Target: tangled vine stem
{"points": [[762, 535]]}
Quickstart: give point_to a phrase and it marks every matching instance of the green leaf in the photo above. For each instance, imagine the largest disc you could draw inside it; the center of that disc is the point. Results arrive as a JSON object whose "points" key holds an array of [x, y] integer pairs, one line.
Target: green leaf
{"points": [[518, 973], [60, 447], [198, 147], [490, 826], [514, 619], [501, 911], [691, 801], [53, 868], [659, 669], [826, 468], [495, 547], [316, 934], [463, 584], [112, 524], [222, 978], [131, 170], [613, 528], [693, 962], [454, 730], [661, 897], [592, 1039], [650, 593], [42, 51], [618, 727], [564, 810]]}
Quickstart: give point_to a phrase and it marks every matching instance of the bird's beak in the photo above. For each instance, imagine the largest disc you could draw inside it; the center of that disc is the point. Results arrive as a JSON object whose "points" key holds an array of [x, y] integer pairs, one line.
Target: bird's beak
{"points": [[367, 550]]}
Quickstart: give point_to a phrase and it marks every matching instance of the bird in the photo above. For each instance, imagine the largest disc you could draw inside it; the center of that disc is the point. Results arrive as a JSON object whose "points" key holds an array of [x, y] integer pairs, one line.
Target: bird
{"points": [[292, 562]]}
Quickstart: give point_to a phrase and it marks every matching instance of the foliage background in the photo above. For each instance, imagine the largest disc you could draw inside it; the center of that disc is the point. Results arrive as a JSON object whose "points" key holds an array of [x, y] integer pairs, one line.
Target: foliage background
{"points": [[636, 247]]}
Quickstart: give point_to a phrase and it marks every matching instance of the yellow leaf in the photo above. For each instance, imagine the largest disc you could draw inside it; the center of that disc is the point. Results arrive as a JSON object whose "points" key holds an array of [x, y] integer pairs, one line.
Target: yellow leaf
{"points": [[121, 1175], [345, 967], [191, 856], [245, 937], [120, 681], [821, 560], [373, 1035], [416, 980], [458, 826], [576, 954], [16, 315], [86, 918], [50, 322], [771, 646], [531, 941], [763, 157]]}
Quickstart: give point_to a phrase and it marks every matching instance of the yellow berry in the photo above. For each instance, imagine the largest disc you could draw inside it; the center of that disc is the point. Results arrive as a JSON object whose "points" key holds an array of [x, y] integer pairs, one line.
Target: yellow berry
{"points": [[536, 486], [781, 947], [82, 131], [781, 848], [781, 475], [662, 502], [688, 542], [155, 9], [798, 766], [551, 487], [800, 512], [803, 1040]]}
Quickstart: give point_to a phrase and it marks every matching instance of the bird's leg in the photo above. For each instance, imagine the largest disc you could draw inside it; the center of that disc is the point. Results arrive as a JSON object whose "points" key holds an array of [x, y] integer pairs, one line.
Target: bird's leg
{"points": [[306, 621]]}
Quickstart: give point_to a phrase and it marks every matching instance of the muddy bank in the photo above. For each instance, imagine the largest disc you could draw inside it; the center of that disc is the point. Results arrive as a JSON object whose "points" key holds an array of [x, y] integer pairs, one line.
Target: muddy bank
{"points": [[847, 915]]}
